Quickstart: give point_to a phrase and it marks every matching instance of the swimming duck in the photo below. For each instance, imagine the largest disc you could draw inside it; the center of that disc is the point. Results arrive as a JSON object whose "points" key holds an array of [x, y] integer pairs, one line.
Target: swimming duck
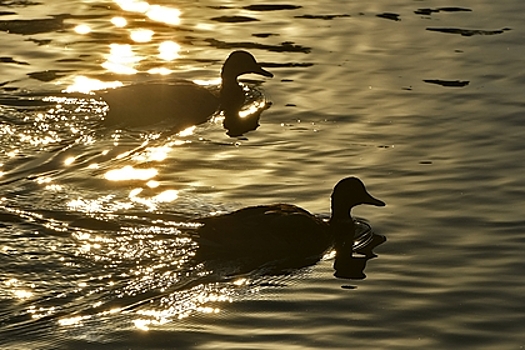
{"points": [[181, 104], [284, 231]]}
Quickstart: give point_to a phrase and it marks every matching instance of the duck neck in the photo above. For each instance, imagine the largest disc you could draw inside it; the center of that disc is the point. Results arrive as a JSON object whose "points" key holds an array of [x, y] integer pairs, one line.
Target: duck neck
{"points": [[342, 226], [341, 211], [231, 96]]}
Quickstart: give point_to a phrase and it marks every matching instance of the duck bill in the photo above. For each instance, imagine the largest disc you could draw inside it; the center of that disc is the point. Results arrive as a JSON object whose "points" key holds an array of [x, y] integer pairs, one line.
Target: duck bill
{"points": [[263, 72], [374, 201]]}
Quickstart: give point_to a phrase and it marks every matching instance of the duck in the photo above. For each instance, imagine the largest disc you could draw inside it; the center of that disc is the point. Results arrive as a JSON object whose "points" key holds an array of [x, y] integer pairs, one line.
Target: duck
{"points": [[283, 232], [181, 104]]}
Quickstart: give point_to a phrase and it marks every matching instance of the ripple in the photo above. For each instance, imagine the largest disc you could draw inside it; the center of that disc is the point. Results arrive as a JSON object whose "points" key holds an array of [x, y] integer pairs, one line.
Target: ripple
{"points": [[468, 32], [234, 19], [448, 83], [35, 26], [323, 17], [283, 47], [271, 7], [429, 11], [11, 60], [389, 15]]}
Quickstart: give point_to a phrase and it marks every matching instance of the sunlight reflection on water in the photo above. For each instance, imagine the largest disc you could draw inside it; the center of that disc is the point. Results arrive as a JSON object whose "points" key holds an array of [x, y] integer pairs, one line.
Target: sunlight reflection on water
{"points": [[421, 101]]}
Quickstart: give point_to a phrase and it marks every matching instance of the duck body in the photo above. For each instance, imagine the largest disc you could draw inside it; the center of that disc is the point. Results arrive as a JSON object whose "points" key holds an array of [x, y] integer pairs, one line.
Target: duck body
{"points": [[269, 232], [284, 232], [181, 104]]}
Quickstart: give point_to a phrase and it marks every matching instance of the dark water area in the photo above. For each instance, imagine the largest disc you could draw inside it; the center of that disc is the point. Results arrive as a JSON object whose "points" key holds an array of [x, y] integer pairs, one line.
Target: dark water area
{"points": [[422, 100]]}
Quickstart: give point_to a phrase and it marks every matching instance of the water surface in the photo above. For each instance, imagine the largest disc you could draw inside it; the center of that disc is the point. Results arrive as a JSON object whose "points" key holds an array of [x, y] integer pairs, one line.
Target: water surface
{"points": [[421, 100]]}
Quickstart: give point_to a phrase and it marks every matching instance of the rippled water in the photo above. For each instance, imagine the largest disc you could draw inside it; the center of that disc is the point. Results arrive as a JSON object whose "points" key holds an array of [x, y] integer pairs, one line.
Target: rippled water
{"points": [[422, 100]]}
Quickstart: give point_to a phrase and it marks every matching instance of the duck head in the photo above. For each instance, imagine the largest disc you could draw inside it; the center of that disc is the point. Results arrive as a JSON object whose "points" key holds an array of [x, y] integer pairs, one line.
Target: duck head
{"points": [[239, 63], [348, 193], [232, 96]]}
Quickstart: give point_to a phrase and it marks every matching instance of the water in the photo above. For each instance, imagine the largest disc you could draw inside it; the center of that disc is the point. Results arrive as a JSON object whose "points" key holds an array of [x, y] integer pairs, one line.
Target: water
{"points": [[92, 263]]}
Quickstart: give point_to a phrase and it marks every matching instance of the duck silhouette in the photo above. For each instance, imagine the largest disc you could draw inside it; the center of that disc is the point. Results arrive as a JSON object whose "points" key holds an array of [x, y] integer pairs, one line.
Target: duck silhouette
{"points": [[283, 235], [182, 104]]}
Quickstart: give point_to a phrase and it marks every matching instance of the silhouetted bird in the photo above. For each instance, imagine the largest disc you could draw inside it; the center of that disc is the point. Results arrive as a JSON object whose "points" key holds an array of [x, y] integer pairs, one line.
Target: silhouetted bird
{"points": [[283, 232], [181, 104]]}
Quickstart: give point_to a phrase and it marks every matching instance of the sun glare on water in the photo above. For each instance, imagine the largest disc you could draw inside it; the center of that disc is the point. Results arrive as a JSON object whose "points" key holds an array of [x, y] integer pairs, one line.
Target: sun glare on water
{"points": [[157, 13], [128, 173]]}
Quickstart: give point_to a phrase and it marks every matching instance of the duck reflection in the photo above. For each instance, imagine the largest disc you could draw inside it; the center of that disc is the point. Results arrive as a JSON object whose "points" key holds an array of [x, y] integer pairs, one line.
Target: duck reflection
{"points": [[280, 238], [183, 104], [350, 262]]}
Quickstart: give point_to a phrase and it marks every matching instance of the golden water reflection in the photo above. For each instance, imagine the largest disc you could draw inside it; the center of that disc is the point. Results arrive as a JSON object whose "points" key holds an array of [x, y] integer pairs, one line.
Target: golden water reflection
{"points": [[203, 299], [152, 154], [119, 22], [82, 29], [141, 35], [188, 131], [17, 289], [86, 85], [121, 59], [99, 205], [77, 320], [151, 202], [252, 108], [167, 196], [169, 50], [133, 5], [128, 173], [164, 14], [158, 13], [69, 160], [160, 71], [208, 82], [152, 184]]}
